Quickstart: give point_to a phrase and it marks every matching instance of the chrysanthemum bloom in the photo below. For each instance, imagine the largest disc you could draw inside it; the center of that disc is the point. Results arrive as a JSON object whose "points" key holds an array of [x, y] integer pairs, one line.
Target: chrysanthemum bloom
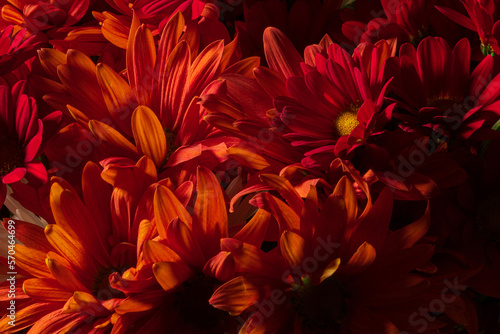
{"points": [[481, 21], [337, 103], [442, 98], [335, 270], [156, 113], [179, 265], [22, 137], [64, 268], [329, 104]]}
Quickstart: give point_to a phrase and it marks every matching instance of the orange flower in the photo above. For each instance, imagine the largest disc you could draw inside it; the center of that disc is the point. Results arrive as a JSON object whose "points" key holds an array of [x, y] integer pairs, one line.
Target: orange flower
{"points": [[179, 265], [65, 267], [156, 112], [335, 270]]}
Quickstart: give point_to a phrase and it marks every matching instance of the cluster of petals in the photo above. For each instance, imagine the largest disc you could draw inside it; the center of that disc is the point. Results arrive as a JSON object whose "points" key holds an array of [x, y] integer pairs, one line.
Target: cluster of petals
{"points": [[253, 166]]}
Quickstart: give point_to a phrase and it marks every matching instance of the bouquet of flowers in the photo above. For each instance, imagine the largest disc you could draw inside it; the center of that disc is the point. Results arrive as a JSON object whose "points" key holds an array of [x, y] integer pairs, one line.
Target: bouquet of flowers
{"points": [[250, 166]]}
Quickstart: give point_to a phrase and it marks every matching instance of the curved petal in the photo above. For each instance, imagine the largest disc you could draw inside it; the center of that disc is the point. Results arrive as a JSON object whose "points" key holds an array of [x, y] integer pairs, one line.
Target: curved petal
{"points": [[149, 135], [171, 274]]}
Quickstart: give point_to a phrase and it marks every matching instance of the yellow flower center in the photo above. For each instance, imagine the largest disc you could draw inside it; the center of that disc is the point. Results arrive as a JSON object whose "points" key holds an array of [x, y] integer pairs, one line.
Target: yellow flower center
{"points": [[11, 156], [346, 122]]}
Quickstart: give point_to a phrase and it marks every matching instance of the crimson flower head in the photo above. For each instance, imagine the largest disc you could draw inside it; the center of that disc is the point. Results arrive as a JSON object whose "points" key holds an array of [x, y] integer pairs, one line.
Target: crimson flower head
{"points": [[336, 100], [22, 137]]}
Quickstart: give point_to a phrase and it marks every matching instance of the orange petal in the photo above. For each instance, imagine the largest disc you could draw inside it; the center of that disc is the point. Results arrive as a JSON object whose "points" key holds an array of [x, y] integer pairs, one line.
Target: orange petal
{"points": [[149, 135], [171, 274], [172, 83], [50, 59], [248, 157], [361, 260], [26, 315], [70, 248], [244, 67], [346, 190], [330, 269], [183, 242], [78, 223], [129, 57], [115, 32], [30, 235], [285, 216], [141, 302], [166, 208], [285, 188], [221, 266], [117, 95], [85, 302], [292, 248], [281, 55], [254, 232], [170, 36], [155, 251], [236, 295], [144, 59], [210, 213], [205, 66], [32, 260], [251, 259], [64, 275], [145, 232], [46, 289], [81, 82]]}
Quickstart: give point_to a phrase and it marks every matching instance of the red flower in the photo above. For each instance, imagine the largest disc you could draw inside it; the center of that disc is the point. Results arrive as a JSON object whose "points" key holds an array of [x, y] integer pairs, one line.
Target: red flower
{"points": [[436, 87], [179, 264], [16, 46], [480, 21], [22, 137]]}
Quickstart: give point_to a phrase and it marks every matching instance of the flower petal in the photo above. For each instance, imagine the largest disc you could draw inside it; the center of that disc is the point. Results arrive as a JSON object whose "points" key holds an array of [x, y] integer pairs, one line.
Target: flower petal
{"points": [[166, 208], [210, 213], [281, 55], [292, 248], [171, 274], [149, 135], [46, 289], [117, 96]]}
